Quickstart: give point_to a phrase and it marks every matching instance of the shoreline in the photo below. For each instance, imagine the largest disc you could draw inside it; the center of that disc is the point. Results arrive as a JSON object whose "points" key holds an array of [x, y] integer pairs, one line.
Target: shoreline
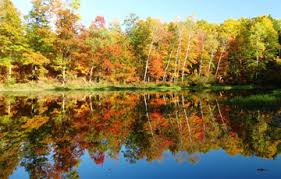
{"points": [[39, 87]]}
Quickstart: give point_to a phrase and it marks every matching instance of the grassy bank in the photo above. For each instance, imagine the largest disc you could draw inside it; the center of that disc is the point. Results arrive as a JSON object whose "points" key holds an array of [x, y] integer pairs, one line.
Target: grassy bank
{"points": [[80, 86], [116, 87], [220, 87], [269, 100]]}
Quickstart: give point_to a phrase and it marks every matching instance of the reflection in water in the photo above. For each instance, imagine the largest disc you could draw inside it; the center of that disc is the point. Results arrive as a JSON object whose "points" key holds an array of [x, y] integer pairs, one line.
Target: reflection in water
{"points": [[47, 135]]}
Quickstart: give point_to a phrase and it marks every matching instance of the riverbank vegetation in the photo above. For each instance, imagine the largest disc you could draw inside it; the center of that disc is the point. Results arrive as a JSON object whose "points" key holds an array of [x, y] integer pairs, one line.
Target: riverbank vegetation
{"points": [[50, 44], [258, 101], [103, 86], [80, 85]]}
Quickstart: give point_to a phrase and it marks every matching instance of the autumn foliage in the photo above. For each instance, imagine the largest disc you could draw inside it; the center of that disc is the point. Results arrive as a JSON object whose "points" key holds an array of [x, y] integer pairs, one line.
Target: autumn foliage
{"points": [[51, 43]]}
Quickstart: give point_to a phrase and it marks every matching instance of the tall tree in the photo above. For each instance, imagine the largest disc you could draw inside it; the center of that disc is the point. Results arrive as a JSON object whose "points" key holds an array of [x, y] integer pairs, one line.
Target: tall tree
{"points": [[228, 32], [39, 33], [66, 30], [263, 41], [12, 41], [39, 36]]}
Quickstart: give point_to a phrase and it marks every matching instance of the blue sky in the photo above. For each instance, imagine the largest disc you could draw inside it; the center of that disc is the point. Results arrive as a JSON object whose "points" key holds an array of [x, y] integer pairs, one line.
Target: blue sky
{"points": [[168, 10]]}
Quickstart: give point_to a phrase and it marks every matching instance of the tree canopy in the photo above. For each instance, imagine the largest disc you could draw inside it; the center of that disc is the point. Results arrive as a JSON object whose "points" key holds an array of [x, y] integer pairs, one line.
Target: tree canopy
{"points": [[51, 43]]}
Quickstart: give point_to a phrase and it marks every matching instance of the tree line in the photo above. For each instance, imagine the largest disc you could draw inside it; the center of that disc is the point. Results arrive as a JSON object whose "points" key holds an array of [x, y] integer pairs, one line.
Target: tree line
{"points": [[51, 43]]}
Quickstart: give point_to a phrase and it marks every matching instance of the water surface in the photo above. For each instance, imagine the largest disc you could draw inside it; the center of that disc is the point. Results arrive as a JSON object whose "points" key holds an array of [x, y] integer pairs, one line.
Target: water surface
{"points": [[136, 135]]}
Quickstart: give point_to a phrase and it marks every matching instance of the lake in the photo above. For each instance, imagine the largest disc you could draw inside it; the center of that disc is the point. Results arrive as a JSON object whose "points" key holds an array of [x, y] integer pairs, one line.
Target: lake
{"points": [[137, 135]]}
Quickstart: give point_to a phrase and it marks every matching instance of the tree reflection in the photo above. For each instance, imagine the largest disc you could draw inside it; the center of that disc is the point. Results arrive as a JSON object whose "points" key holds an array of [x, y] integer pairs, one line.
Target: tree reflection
{"points": [[48, 134]]}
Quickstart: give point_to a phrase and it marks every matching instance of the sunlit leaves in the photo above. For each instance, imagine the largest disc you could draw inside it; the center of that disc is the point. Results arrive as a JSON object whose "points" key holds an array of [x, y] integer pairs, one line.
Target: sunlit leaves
{"points": [[194, 51], [35, 123]]}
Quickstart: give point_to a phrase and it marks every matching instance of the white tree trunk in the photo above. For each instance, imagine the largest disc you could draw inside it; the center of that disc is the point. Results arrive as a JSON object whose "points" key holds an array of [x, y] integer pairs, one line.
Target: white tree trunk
{"points": [[177, 57], [186, 56], [257, 67], [219, 62], [201, 58], [91, 74], [10, 73], [210, 62], [168, 64], [63, 75], [147, 60]]}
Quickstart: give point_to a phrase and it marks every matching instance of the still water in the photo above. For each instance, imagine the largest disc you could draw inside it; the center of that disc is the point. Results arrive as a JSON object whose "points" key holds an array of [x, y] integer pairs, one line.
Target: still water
{"points": [[137, 135]]}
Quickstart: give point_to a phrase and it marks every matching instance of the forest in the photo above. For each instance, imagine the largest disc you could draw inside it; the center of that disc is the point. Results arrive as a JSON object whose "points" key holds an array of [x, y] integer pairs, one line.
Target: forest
{"points": [[50, 45]]}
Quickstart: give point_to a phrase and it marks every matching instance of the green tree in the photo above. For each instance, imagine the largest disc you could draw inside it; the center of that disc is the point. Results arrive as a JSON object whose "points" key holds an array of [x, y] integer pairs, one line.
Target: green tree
{"points": [[263, 41], [228, 31], [39, 36], [39, 33], [12, 41], [256, 45]]}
